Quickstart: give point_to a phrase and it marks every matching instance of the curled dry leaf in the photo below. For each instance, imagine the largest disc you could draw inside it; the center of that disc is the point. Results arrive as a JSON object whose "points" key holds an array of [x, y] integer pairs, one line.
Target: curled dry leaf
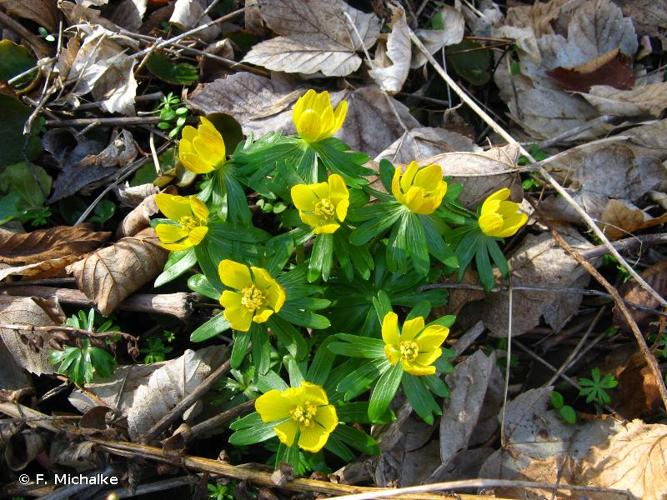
{"points": [[656, 276], [426, 142], [647, 100], [139, 218], [621, 218], [111, 274], [132, 196], [392, 62], [316, 37], [145, 393], [45, 252], [433, 40], [189, 14], [638, 392], [121, 150], [27, 348]]}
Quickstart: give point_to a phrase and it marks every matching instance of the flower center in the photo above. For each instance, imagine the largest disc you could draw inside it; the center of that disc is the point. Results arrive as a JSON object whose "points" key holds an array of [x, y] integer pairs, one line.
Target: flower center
{"points": [[188, 222], [252, 298], [304, 414], [325, 209], [409, 350]]}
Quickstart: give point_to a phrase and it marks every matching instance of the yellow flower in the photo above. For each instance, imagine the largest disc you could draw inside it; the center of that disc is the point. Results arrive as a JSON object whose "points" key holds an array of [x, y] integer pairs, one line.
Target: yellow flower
{"points": [[304, 410], [323, 206], [419, 189], [201, 149], [257, 297], [190, 216], [500, 218], [416, 347], [314, 116]]}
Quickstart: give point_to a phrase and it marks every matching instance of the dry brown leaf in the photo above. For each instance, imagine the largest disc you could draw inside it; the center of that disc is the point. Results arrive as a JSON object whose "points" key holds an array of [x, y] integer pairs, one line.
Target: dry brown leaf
{"points": [[638, 392], [392, 60], [145, 393], [43, 12], [139, 218], [425, 142], [111, 274], [316, 37], [132, 196], [612, 69], [45, 252], [28, 348], [656, 276], [647, 100], [434, 40], [190, 13], [621, 218], [633, 459]]}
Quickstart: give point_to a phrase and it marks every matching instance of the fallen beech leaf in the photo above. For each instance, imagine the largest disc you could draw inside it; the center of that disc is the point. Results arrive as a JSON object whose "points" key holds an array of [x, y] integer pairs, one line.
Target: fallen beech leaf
{"points": [[453, 28], [620, 218], [316, 37], [111, 274], [638, 392], [43, 12], [28, 348], [645, 100], [425, 142], [611, 69], [145, 393], [656, 276], [139, 218], [392, 61]]}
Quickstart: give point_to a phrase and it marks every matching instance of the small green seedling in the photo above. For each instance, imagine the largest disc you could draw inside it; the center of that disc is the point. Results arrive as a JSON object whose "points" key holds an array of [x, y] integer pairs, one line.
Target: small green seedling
{"points": [[220, 491], [566, 412], [595, 388], [172, 115]]}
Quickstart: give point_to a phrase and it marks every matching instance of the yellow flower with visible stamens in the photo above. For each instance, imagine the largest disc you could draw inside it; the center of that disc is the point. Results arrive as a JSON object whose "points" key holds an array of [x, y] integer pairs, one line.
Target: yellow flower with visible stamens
{"points": [[501, 218], [256, 298], [314, 116], [190, 215], [421, 190], [415, 347], [323, 206], [202, 149], [303, 410]]}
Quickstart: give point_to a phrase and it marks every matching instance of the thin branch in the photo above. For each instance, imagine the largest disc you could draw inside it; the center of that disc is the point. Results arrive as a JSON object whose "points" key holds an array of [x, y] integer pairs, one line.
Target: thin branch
{"points": [[114, 121]]}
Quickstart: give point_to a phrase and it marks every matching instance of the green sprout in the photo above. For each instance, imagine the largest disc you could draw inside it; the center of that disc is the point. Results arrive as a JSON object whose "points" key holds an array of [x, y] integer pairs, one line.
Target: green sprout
{"points": [[172, 114], [595, 388]]}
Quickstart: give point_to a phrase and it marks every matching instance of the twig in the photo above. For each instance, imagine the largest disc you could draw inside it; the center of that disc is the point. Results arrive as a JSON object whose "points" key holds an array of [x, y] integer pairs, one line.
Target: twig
{"points": [[122, 121], [216, 424], [173, 304], [478, 483], [560, 189], [466, 340], [508, 364], [573, 132], [187, 401], [144, 489], [81, 331], [186, 34], [641, 342], [155, 96], [643, 240]]}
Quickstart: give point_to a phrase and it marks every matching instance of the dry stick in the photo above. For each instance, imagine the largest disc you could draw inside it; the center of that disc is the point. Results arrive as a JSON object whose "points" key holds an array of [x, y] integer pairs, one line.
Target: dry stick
{"points": [[216, 423], [242, 473], [40, 48], [643, 347], [627, 244], [174, 304], [573, 132], [122, 121], [187, 401], [560, 189], [186, 34], [478, 483]]}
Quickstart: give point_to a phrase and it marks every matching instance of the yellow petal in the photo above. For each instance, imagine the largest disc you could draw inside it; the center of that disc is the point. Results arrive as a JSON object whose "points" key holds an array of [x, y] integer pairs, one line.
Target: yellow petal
{"points": [[326, 416], [326, 228], [309, 126], [432, 337], [195, 163], [170, 233], [197, 235], [177, 247], [392, 353], [341, 209], [303, 197], [230, 300], [339, 115], [270, 287], [428, 177], [273, 406], [491, 223], [199, 208], [412, 327], [172, 206], [390, 333], [314, 393], [417, 370], [262, 316], [188, 134], [239, 318], [313, 438], [337, 189], [495, 198], [428, 358], [408, 176], [234, 274], [513, 225], [286, 432]]}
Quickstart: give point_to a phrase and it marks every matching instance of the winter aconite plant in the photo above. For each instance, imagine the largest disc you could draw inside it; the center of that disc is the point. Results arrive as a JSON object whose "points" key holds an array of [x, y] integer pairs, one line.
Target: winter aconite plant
{"points": [[323, 300]]}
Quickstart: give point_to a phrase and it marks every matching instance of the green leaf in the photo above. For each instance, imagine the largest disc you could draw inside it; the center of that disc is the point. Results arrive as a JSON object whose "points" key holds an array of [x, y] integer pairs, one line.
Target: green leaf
{"points": [[357, 412], [214, 326], [420, 398], [261, 349], [269, 381], [436, 386], [177, 264], [497, 256], [484, 268], [239, 349], [289, 337], [256, 433], [103, 211], [369, 230], [568, 414], [161, 66], [471, 61], [14, 60], [386, 173], [294, 372], [557, 400], [423, 309], [301, 317], [398, 249], [382, 305], [436, 245], [446, 321], [322, 362], [416, 244], [200, 284], [338, 448], [321, 258], [14, 116], [466, 249], [356, 439], [360, 379], [31, 183], [384, 392], [356, 346]]}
